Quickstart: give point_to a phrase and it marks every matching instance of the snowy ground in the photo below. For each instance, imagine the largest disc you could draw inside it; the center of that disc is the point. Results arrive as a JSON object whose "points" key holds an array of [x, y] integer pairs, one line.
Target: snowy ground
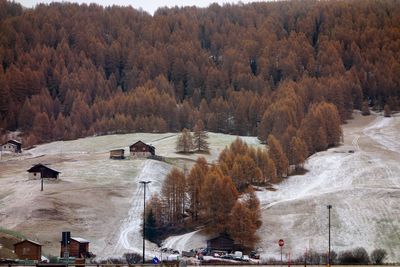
{"points": [[363, 187], [100, 199], [95, 198]]}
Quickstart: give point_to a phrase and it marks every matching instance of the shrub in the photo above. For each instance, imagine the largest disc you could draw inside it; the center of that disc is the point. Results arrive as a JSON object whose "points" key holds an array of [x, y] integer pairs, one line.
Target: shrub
{"points": [[378, 256], [356, 256], [132, 258], [386, 111]]}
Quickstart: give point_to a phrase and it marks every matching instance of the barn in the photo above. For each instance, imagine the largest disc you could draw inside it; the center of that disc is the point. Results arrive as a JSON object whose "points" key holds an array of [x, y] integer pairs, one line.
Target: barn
{"points": [[77, 247], [221, 242], [12, 146], [28, 250], [117, 154], [41, 171], [141, 150]]}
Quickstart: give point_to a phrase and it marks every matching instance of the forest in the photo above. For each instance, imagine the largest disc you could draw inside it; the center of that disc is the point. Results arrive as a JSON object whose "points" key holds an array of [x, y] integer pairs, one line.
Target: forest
{"points": [[292, 69]]}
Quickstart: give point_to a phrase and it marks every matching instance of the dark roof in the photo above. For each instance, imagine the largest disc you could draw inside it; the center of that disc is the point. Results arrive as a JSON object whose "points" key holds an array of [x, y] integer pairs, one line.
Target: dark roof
{"points": [[30, 241], [80, 240], [141, 142], [222, 235], [15, 142], [112, 150], [40, 167]]}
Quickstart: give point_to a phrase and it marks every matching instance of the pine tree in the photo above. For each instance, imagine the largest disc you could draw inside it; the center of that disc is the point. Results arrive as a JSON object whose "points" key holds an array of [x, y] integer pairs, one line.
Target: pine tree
{"points": [[173, 193], [41, 127], [242, 227], [276, 153], [386, 111], [298, 152], [365, 108], [151, 227], [25, 121], [218, 196], [253, 204], [200, 137], [194, 184], [185, 142]]}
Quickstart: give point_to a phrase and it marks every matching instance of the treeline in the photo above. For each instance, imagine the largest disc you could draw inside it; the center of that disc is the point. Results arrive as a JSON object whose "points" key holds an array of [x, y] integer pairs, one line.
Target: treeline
{"points": [[356, 256], [70, 70], [218, 197]]}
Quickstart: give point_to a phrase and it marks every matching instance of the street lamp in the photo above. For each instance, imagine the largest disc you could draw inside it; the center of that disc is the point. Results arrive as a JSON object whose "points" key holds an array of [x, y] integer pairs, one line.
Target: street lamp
{"points": [[144, 183], [329, 234]]}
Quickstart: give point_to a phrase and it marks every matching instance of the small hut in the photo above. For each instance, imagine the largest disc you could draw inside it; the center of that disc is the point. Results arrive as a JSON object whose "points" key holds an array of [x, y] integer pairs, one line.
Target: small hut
{"points": [[41, 171], [28, 250], [12, 146], [77, 247], [117, 154], [221, 242]]}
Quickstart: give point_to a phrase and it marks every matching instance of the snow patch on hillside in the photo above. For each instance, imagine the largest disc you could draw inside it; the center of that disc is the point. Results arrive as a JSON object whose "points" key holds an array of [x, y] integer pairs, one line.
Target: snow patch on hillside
{"points": [[359, 179]]}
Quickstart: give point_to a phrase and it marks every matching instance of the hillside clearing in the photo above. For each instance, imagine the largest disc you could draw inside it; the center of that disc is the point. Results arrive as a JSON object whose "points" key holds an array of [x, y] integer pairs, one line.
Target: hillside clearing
{"points": [[101, 200]]}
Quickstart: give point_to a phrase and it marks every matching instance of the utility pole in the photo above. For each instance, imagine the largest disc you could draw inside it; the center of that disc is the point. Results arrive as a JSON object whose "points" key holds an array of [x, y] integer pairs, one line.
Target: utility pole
{"points": [[144, 183], [329, 234]]}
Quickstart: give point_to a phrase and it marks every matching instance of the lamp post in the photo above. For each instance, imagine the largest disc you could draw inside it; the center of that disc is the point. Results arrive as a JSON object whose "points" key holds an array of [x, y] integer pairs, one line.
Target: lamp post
{"points": [[329, 234], [144, 183]]}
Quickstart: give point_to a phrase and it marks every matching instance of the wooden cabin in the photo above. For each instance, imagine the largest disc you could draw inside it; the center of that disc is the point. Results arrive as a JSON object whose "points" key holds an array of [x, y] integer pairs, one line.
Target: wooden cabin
{"points": [[12, 146], [77, 247], [41, 171], [117, 154], [221, 242], [141, 150], [28, 250]]}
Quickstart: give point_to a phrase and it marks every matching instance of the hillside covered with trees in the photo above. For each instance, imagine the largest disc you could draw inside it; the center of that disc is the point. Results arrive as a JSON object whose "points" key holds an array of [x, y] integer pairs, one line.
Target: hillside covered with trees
{"points": [[294, 70]]}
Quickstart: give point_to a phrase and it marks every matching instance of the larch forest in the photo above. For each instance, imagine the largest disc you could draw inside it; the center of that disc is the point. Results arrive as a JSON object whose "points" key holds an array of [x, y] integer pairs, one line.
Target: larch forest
{"points": [[289, 72]]}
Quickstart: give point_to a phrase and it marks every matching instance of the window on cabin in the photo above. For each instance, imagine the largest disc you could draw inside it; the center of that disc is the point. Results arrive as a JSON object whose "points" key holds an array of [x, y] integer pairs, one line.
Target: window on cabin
{"points": [[25, 251]]}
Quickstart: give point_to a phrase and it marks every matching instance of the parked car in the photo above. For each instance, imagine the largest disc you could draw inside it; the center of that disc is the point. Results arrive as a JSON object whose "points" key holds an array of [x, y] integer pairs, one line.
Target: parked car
{"points": [[227, 257], [238, 255], [245, 258], [254, 255]]}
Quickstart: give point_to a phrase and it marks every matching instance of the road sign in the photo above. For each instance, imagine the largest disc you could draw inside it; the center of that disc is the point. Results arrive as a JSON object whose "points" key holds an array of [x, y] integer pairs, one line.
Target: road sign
{"points": [[281, 242]]}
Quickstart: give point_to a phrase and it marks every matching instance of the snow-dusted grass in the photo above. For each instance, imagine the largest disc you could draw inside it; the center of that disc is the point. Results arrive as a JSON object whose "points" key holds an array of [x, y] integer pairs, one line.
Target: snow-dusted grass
{"points": [[101, 199], [363, 187], [96, 198]]}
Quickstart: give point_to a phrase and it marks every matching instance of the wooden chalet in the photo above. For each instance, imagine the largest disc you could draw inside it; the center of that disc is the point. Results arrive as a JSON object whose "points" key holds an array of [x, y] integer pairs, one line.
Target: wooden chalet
{"points": [[77, 247], [221, 242], [41, 171], [141, 150], [117, 154], [12, 146], [28, 250]]}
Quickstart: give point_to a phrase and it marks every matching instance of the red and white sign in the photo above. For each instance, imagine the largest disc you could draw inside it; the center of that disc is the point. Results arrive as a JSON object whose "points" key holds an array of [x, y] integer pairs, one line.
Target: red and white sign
{"points": [[281, 242]]}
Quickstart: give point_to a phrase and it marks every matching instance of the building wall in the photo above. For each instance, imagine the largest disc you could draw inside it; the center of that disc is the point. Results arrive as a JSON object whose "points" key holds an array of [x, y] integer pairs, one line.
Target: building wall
{"points": [[34, 175], [9, 147], [117, 154], [75, 249], [136, 155], [29, 251]]}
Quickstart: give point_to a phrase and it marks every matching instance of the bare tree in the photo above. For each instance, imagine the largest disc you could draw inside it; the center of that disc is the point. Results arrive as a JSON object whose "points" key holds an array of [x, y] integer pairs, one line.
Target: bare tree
{"points": [[185, 141]]}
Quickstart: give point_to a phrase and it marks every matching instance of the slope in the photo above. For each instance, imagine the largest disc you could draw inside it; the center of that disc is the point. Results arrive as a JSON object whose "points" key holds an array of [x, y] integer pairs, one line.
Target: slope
{"points": [[360, 179], [95, 198]]}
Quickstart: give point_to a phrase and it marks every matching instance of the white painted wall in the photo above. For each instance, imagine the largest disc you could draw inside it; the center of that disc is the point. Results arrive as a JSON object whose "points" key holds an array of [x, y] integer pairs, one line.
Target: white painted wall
{"points": [[9, 147], [34, 175]]}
